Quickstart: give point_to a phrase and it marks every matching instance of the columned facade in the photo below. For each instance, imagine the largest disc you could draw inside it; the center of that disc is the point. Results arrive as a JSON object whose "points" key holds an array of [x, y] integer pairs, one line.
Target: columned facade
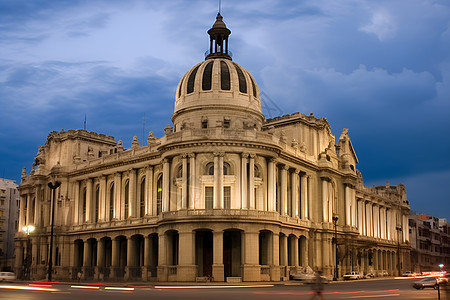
{"points": [[224, 195]]}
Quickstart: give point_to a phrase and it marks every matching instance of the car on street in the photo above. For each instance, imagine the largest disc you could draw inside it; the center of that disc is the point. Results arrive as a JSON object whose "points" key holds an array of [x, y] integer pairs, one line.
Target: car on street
{"points": [[352, 276], [409, 274], [426, 282], [7, 276], [369, 275], [307, 277]]}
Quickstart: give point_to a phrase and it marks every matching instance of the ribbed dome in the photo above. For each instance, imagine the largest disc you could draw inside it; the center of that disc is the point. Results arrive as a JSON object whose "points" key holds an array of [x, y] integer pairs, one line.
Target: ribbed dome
{"points": [[217, 82]]}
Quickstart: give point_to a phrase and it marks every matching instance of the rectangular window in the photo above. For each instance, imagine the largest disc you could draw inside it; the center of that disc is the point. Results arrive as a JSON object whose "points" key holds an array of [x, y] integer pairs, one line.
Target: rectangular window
{"points": [[227, 197], [209, 197]]}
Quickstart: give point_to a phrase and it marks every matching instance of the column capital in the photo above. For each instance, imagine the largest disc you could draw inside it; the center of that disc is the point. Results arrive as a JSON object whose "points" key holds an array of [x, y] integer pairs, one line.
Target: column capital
{"points": [[165, 160], [191, 155], [273, 160], [297, 171], [219, 154], [347, 184], [244, 155], [185, 155], [325, 178], [285, 167], [252, 155]]}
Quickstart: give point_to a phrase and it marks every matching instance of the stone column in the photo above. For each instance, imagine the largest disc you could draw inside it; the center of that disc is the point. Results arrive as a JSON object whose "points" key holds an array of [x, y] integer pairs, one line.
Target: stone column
{"points": [[133, 203], [147, 252], [87, 256], [220, 182], [166, 185], [88, 217], [218, 267], [251, 184], [244, 186], [149, 191], [192, 182], [348, 220], [271, 185], [325, 199], [102, 208], [187, 269], [304, 197], [115, 253], [295, 251], [275, 269], [100, 253], [251, 267], [294, 193], [283, 194], [216, 182], [76, 209], [353, 199], [117, 196], [184, 189], [284, 255], [162, 258], [37, 206]]}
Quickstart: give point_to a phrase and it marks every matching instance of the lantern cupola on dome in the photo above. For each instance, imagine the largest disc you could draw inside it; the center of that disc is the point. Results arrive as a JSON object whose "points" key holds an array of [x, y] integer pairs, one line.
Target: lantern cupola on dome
{"points": [[218, 40]]}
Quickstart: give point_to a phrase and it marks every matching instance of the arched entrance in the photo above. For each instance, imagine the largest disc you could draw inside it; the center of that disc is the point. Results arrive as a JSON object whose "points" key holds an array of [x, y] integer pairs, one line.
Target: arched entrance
{"points": [[232, 253], [204, 252]]}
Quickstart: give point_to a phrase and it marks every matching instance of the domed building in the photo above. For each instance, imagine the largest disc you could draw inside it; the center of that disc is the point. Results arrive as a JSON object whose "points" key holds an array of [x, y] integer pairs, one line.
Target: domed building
{"points": [[224, 195]]}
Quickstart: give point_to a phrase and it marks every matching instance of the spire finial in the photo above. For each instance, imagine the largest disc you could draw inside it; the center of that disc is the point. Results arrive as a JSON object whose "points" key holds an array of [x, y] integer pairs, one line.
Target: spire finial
{"points": [[220, 6]]}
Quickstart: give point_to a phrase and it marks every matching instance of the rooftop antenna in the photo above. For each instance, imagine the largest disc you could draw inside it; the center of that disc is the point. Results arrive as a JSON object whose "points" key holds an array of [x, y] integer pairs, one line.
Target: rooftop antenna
{"points": [[84, 121]]}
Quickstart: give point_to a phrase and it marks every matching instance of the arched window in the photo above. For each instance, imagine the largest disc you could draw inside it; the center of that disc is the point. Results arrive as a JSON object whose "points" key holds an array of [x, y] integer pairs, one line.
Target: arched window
{"points": [[209, 169], [242, 82], [191, 80], [111, 202], [224, 76], [127, 199], [159, 194], [257, 172], [180, 171], [226, 169], [207, 74], [142, 199]]}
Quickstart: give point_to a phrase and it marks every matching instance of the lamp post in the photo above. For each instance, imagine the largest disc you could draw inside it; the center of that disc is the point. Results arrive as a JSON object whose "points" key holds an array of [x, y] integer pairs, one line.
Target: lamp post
{"points": [[335, 219], [53, 187], [27, 263], [399, 230]]}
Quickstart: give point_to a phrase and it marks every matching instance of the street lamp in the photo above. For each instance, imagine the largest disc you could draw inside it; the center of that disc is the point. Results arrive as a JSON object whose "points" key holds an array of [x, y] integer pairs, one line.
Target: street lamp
{"points": [[27, 263], [335, 219], [399, 230], [53, 187]]}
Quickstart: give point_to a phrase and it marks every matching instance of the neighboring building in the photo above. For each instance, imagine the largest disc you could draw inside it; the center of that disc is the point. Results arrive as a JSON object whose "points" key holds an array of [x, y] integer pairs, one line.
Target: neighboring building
{"points": [[430, 242], [224, 194], [9, 210]]}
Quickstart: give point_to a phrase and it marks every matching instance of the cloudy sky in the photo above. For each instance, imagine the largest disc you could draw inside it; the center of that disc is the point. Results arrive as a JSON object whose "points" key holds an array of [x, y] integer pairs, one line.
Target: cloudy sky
{"points": [[379, 68]]}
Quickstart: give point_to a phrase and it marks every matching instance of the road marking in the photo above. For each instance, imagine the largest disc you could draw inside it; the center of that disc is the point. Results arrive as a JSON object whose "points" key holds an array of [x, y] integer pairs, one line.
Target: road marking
{"points": [[373, 296]]}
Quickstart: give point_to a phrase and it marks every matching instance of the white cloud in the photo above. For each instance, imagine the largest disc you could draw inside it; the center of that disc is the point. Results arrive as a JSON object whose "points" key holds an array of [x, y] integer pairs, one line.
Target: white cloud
{"points": [[381, 24]]}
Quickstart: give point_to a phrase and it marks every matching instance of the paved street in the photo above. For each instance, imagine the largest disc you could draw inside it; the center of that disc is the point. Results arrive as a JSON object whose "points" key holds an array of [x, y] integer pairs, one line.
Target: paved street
{"points": [[365, 289]]}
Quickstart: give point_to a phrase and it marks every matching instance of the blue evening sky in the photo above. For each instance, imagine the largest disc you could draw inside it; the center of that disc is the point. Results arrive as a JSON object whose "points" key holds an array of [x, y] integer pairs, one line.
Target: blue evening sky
{"points": [[380, 68]]}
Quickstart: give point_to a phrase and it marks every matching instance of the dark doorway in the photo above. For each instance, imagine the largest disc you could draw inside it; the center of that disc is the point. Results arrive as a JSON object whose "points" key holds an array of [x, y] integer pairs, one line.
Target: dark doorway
{"points": [[232, 253], [204, 252]]}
